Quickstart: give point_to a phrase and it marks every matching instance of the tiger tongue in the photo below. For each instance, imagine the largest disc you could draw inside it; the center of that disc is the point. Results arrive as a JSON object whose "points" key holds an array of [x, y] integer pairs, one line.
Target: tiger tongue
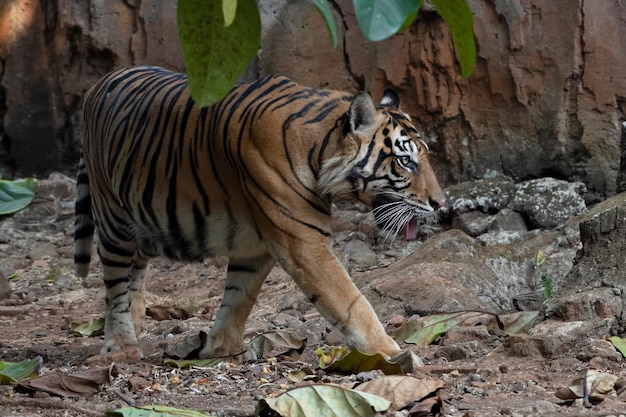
{"points": [[410, 229]]}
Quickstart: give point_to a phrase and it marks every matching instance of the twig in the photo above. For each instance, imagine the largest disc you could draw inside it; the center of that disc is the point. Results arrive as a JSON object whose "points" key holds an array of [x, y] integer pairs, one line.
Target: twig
{"points": [[586, 402], [125, 398], [47, 403]]}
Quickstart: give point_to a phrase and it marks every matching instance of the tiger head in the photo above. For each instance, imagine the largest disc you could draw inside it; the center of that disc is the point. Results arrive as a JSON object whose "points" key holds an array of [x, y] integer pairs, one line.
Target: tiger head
{"points": [[383, 162]]}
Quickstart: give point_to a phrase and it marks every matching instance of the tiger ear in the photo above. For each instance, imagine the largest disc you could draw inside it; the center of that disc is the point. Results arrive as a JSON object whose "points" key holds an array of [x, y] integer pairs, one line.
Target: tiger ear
{"points": [[362, 112], [390, 99]]}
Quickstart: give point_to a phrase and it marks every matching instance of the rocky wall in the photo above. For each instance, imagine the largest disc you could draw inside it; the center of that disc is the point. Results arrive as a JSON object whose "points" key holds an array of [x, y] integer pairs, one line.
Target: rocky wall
{"points": [[545, 99]]}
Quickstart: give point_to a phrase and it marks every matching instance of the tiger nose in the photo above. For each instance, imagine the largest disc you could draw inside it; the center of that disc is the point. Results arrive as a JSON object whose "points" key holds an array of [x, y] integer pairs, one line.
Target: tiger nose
{"points": [[437, 204]]}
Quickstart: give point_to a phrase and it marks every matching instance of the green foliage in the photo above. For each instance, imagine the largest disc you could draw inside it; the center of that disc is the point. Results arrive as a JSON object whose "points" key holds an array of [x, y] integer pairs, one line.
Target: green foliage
{"points": [[16, 195], [379, 19], [219, 40], [16, 371], [546, 279], [216, 54], [459, 18], [327, 15]]}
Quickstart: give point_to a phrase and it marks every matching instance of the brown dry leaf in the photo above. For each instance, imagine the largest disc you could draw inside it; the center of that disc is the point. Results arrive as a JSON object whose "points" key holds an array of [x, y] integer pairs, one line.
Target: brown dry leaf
{"points": [[167, 313], [406, 391], [598, 385], [78, 385]]}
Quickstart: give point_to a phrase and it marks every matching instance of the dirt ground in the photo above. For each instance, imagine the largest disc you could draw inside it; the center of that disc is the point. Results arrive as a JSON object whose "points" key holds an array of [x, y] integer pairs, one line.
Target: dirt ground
{"points": [[484, 374]]}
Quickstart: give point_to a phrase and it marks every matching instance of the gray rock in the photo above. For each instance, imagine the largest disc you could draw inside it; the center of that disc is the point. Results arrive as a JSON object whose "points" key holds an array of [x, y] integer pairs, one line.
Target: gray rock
{"points": [[548, 202], [360, 253], [488, 195]]}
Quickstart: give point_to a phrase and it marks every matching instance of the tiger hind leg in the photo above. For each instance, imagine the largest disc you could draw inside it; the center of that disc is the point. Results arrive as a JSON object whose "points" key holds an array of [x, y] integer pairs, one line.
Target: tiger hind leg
{"points": [[122, 288], [244, 279]]}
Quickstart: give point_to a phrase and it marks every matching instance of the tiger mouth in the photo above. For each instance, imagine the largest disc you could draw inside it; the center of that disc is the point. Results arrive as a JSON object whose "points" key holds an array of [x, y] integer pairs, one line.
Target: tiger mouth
{"points": [[395, 216]]}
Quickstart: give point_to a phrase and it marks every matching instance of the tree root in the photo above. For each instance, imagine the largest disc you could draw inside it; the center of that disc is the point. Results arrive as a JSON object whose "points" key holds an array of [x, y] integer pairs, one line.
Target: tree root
{"points": [[47, 403]]}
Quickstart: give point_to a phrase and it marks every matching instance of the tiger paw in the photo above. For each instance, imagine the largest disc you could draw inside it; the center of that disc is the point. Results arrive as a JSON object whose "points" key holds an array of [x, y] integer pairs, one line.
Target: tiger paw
{"points": [[130, 354]]}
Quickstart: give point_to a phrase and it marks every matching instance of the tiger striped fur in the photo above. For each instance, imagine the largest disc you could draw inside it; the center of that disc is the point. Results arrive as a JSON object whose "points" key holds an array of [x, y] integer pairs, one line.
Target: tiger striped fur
{"points": [[252, 178]]}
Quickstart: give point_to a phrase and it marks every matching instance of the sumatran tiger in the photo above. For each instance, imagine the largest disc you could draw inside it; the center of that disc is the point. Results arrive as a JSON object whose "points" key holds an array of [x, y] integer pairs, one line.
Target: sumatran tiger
{"points": [[253, 178]]}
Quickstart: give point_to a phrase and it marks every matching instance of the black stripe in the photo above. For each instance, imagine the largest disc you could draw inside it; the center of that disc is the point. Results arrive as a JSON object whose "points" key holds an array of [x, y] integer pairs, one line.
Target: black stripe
{"points": [[83, 232], [110, 283], [82, 258]]}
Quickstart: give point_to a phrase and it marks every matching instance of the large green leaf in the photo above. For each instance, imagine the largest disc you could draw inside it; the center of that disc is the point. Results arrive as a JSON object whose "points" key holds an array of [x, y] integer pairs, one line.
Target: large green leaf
{"points": [[215, 54], [16, 195], [619, 343], [323, 400], [327, 15], [460, 20], [380, 19], [229, 8], [16, 371]]}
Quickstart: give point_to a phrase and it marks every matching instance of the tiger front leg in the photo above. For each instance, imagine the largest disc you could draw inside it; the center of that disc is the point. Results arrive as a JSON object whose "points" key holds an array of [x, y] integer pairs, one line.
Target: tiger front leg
{"points": [[325, 282], [244, 279]]}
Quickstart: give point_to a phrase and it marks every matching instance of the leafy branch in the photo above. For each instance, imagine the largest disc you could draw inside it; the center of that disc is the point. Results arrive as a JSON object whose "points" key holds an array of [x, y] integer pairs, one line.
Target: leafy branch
{"points": [[219, 40]]}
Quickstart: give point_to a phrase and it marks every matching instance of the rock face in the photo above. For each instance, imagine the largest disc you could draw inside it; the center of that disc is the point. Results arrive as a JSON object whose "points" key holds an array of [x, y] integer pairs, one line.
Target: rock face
{"points": [[51, 52], [543, 100]]}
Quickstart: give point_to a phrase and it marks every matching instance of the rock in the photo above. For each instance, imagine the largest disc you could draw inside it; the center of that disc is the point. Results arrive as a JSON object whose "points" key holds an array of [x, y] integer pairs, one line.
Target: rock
{"points": [[508, 220], [474, 223], [599, 349], [5, 287], [547, 202], [360, 253], [595, 287], [488, 195], [554, 337]]}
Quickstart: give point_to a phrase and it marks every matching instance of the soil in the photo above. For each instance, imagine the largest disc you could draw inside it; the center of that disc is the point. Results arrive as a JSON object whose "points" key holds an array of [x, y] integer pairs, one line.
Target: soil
{"points": [[484, 374]]}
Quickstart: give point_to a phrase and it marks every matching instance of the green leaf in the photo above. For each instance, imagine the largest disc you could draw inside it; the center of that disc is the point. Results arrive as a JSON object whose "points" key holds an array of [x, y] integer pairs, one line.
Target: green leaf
{"points": [[546, 281], [355, 362], [460, 20], [16, 195], [91, 328], [323, 400], [216, 55], [16, 371], [155, 411], [379, 19], [619, 343], [229, 8], [327, 15]]}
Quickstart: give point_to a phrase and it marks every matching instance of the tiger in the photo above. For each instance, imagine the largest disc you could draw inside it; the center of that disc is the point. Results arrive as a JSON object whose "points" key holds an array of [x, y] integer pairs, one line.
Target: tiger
{"points": [[254, 178]]}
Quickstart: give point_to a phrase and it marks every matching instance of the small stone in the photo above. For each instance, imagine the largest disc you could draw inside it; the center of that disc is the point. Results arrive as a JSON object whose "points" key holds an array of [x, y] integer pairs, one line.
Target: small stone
{"points": [[137, 383]]}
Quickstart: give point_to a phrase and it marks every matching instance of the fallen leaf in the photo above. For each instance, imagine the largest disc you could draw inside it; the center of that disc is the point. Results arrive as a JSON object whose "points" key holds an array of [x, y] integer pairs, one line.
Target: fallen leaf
{"points": [[272, 344], [155, 411], [619, 343], [91, 328], [192, 363], [518, 322], [323, 400], [355, 362], [16, 371], [187, 348], [301, 374], [167, 313], [598, 385], [404, 391], [422, 331], [78, 385]]}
